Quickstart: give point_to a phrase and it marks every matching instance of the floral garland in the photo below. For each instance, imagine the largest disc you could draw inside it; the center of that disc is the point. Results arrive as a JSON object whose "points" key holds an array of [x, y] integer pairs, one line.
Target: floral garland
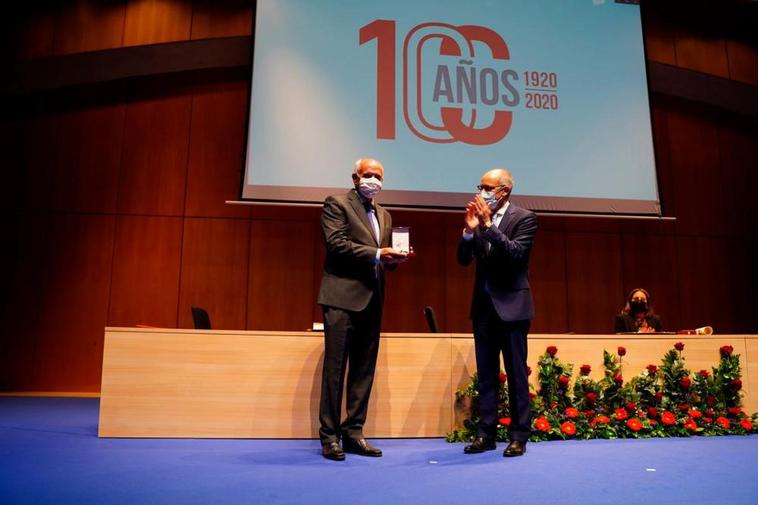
{"points": [[662, 401]]}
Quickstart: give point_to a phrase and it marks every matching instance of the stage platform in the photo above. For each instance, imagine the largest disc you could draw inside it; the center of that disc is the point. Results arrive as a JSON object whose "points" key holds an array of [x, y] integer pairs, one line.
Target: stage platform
{"points": [[247, 384], [51, 455]]}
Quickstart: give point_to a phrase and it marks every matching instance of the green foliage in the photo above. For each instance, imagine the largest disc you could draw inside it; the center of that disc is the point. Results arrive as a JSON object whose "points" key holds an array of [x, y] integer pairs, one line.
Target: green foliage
{"points": [[656, 403]]}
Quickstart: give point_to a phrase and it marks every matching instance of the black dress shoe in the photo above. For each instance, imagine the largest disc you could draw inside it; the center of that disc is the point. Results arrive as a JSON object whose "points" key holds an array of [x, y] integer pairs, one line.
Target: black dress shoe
{"points": [[480, 444], [333, 451], [360, 446], [515, 448]]}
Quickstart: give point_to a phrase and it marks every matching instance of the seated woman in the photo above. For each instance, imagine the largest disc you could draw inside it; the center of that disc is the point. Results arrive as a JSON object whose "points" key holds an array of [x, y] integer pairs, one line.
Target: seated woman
{"points": [[637, 315]]}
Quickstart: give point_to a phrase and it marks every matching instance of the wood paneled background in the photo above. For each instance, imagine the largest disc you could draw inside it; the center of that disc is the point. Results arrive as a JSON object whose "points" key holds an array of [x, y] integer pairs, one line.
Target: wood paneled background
{"points": [[112, 206]]}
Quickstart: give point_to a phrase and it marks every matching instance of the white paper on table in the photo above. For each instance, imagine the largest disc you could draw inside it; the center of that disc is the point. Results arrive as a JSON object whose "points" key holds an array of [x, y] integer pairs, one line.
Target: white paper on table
{"points": [[401, 238]]}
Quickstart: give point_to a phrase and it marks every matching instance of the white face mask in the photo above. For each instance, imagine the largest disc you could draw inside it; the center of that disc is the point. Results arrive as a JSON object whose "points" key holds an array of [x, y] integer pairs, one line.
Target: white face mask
{"points": [[369, 187]]}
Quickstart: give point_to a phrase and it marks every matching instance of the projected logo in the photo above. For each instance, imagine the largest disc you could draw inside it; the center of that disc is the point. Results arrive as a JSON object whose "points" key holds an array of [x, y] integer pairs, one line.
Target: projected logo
{"points": [[456, 83]]}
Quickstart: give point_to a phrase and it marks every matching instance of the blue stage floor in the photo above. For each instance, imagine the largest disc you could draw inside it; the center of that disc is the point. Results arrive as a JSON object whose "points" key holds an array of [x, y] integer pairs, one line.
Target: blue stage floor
{"points": [[50, 453]]}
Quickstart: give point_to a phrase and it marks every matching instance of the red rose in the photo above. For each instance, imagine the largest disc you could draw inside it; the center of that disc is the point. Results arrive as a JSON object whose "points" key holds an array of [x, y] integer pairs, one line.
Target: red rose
{"points": [[658, 396], [723, 422], [568, 428], [710, 400], [630, 406], [668, 418], [571, 413], [652, 412], [618, 379], [685, 382], [690, 424], [620, 414], [621, 351], [551, 350], [634, 424], [652, 369], [603, 419], [735, 411], [710, 412], [589, 414], [585, 369], [707, 419], [746, 423], [736, 384], [726, 351], [563, 380], [704, 374], [683, 407], [653, 422], [542, 424], [679, 346], [503, 377], [504, 421], [591, 397], [695, 414]]}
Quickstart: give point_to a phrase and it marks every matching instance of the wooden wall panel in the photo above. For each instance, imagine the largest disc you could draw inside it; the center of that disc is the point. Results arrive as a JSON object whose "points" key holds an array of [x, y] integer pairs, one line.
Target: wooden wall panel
{"points": [[659, 122], [701, 53], [82, 174], [459, 284], [547, 276], [155, 21], [89, 25], [154, 167], [593, 265], [221, 19], [216, 155], [743, 61], [421, 280], [698, 189], [214, 271], [738, 152], [34, 35], [704, 290], [18, 341], [77, 252], [145, 277], [13, 189], [659, 35], [281, 275]]}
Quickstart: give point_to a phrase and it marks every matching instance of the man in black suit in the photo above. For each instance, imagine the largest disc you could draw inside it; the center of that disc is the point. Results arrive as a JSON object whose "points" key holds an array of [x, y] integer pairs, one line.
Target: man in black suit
{"points": [[499, 236], [358, 233]]}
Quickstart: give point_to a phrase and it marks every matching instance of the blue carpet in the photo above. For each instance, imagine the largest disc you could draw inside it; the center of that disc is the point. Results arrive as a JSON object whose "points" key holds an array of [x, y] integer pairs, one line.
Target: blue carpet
{"points": [[50, 453]]}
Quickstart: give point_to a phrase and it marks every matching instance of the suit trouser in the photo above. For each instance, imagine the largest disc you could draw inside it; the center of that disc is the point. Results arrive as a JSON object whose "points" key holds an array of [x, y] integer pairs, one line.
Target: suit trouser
{"points": [[493, 336], [352, 343]]}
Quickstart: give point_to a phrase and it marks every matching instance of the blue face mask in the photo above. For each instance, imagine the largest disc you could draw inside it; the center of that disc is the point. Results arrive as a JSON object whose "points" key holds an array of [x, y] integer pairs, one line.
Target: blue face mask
{"points": [[489, 198]]}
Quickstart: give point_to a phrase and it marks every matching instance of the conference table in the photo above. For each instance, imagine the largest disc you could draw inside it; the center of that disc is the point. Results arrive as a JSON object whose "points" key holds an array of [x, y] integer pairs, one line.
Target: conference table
{"points": [[160, 382]]}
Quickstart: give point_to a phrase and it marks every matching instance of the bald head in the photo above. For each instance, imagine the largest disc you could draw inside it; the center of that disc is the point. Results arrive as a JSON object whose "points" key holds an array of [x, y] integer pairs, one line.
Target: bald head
{"points": [[498, 177]]}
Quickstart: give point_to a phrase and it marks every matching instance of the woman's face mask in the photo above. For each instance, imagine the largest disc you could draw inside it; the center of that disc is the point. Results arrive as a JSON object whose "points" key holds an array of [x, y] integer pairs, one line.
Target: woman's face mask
{"points": [[638, 305]]}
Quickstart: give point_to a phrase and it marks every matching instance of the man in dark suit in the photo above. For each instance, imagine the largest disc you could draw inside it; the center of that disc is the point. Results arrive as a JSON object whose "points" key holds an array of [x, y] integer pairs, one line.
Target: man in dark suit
{"points": [[499, 236], [358, 233]]}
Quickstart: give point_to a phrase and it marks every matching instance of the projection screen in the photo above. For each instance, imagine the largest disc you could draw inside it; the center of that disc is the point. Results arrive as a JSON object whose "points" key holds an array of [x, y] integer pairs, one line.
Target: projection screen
{"points": [[442, 90]]}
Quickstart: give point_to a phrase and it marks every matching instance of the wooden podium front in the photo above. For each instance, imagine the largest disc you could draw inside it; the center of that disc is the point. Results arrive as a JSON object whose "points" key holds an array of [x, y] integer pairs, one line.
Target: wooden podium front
{"points": [[251, 384]]}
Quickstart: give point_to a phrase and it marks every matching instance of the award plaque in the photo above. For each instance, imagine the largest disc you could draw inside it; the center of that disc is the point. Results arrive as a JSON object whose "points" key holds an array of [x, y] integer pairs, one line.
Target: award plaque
{"points": [[401, 238]]}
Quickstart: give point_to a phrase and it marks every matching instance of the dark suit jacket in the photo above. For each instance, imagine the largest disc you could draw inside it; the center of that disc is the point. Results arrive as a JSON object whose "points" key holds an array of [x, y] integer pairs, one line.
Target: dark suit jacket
{"points": [[504, 268], [351, 276]]}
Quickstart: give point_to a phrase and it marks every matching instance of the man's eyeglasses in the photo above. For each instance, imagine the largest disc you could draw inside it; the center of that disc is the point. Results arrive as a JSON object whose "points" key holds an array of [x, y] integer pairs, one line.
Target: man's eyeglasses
{"points": [[484, 187]]}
